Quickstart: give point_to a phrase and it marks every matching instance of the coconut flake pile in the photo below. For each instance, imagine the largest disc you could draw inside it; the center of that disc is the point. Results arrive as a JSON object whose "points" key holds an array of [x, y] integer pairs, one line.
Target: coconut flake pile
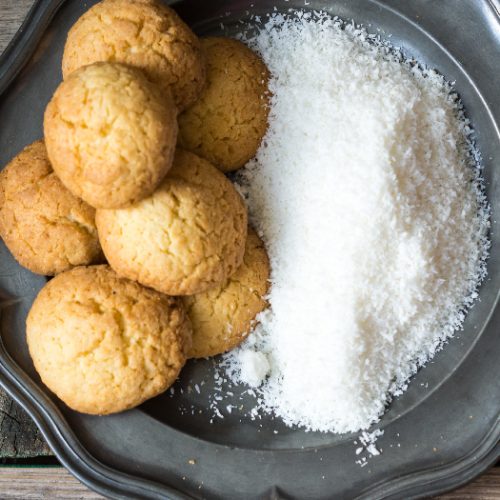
{"points": [[368, 198]]}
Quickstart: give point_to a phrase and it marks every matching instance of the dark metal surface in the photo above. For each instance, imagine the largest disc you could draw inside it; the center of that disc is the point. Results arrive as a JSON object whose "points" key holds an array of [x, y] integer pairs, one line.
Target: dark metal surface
{"points": [[441, 433]]}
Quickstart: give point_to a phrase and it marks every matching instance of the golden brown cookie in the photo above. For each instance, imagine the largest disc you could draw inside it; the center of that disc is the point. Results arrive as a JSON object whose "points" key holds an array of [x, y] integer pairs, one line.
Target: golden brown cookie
{"points": [[141, 33], [47, 229], [226, 125], [223, 316], [110, 134], [185, 238], [104, 344]]}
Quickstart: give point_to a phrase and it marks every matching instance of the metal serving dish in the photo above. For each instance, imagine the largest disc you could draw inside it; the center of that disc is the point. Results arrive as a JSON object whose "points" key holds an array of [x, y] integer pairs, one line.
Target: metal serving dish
{"points": [[441, 433]]}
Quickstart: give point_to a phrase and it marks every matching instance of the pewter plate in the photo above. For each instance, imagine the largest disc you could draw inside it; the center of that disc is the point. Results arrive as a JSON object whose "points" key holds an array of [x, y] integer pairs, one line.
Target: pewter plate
{"points": [[440, 434]]}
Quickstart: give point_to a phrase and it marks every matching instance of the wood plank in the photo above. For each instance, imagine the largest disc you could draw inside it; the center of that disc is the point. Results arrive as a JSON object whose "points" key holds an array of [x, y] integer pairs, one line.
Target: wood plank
{"points": [[12, 13], [39, 483], [485, 487], [19, 436], [56, 483]]}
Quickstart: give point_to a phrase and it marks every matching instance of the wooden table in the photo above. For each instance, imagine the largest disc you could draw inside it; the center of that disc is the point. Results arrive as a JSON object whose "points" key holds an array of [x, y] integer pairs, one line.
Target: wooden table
{"points": [[18, 437]]}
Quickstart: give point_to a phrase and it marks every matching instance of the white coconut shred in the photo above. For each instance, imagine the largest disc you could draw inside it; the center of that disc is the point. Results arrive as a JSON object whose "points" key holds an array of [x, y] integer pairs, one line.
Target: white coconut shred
{"points": [[369, 201]]}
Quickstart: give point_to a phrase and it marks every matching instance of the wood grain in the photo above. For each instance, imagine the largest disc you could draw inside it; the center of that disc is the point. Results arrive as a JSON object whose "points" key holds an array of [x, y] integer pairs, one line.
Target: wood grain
{"points": [[12, 13], [486, 487], [56, 483], [37, 483], [19, 436]]}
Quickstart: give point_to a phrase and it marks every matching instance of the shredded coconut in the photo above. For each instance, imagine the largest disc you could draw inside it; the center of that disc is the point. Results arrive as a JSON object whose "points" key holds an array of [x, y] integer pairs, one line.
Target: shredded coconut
{"points": [[368, 198], [254, 366]]}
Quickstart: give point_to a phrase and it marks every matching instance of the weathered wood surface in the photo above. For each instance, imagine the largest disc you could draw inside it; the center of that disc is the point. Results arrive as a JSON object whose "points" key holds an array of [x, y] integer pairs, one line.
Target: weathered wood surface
{"points": [[37, 483], [12, 14], [57, 483], [486, 487], [20, 438]]}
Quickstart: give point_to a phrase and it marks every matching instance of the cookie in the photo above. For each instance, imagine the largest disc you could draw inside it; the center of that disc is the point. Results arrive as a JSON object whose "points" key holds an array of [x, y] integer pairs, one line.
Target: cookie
{"points": [[47, 229], [141, 33], [185, 238], [227, 124], [223, 316], [110, 134], [104, 344]]}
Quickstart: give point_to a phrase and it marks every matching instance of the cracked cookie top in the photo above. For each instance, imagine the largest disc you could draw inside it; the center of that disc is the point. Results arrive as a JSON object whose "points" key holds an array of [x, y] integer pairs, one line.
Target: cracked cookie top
{"points": [[226, 125], [47, 229], [141, 33], [104, 344], [223, 316], [110, 134], [188, 236]]}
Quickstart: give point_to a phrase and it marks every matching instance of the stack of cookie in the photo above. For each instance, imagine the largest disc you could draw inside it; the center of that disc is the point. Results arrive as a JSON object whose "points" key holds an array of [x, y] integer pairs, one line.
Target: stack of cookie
{"points": [[185, 277]]}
